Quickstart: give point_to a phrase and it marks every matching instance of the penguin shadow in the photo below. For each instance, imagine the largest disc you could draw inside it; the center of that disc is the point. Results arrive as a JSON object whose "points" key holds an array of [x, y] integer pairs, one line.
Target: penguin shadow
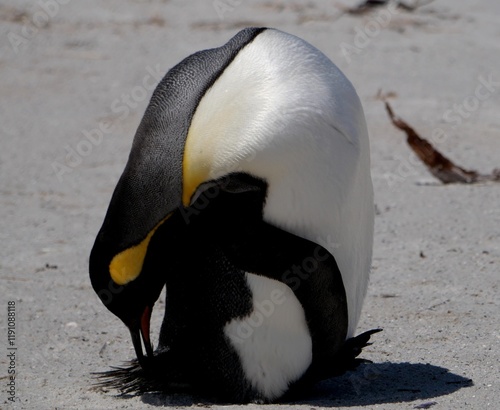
{"points": [[379, 383], [369, 384]]}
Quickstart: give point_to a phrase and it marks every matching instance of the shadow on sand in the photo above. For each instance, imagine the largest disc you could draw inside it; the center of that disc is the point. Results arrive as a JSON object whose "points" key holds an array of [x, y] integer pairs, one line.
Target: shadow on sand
{"points": [[370, 384]]}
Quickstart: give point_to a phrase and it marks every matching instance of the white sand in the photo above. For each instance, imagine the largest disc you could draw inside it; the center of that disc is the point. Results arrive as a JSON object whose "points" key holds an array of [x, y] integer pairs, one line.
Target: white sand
{"points": [[439, 311]]}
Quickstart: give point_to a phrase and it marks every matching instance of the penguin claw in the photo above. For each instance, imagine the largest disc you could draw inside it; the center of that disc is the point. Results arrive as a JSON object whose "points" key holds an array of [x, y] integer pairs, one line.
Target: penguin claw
{"points": [[346, 359], [352, 348], [364, 337]]}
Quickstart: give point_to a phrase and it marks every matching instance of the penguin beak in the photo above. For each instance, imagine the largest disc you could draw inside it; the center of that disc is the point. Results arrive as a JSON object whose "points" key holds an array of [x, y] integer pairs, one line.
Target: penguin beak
{"points": [[141, 331]]}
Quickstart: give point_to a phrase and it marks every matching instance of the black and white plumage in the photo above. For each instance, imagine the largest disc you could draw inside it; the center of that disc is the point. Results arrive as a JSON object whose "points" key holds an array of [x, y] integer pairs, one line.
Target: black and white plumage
{"points": [[248, 194]]}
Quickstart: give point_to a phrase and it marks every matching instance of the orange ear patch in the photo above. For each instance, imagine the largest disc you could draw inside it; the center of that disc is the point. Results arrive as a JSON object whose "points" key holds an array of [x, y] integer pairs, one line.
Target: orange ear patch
{"points": [[127, 265]]}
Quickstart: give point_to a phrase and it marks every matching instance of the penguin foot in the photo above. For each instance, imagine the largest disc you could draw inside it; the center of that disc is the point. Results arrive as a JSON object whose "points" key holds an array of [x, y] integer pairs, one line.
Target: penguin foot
{"points": [[347, 357]]}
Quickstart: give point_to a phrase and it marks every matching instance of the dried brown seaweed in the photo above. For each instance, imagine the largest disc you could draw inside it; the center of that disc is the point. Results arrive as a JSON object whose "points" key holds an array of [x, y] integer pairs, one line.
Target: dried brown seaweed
{"points": [[439, 166], [369, 5], [366, 6]]}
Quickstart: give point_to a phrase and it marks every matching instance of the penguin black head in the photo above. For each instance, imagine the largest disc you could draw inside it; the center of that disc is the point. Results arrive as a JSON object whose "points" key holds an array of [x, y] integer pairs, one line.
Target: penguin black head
{"points": [[128, 297]]}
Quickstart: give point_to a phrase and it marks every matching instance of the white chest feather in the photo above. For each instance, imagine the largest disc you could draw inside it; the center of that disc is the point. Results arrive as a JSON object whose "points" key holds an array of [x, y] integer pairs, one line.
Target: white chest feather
{"points": [[273, 342]]}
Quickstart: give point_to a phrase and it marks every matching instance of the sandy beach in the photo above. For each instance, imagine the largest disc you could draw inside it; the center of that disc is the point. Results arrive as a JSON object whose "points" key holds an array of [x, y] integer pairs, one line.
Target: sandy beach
{"points": [[75, 80]]}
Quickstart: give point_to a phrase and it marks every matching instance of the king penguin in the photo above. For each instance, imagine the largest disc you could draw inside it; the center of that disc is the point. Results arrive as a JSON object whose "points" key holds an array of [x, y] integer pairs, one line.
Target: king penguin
{"points": [[248, 195]]}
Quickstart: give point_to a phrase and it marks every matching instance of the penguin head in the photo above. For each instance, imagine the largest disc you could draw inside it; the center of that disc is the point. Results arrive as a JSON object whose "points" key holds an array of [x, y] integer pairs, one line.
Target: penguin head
{"points": [[127, 278]]}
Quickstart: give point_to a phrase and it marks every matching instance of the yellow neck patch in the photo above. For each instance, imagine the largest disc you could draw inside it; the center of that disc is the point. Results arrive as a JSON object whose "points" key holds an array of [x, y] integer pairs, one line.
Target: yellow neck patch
{"points": [[194, 171], [191, 184], [127, 265]]}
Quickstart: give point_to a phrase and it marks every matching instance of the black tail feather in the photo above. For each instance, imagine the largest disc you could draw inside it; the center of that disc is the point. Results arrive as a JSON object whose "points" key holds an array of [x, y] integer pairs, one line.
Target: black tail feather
{"points": [[348, 354], [162, 375]]}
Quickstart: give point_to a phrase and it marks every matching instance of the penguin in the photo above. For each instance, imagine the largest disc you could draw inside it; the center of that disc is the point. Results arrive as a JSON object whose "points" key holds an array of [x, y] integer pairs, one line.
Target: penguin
{"points": [[247, 194]]}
